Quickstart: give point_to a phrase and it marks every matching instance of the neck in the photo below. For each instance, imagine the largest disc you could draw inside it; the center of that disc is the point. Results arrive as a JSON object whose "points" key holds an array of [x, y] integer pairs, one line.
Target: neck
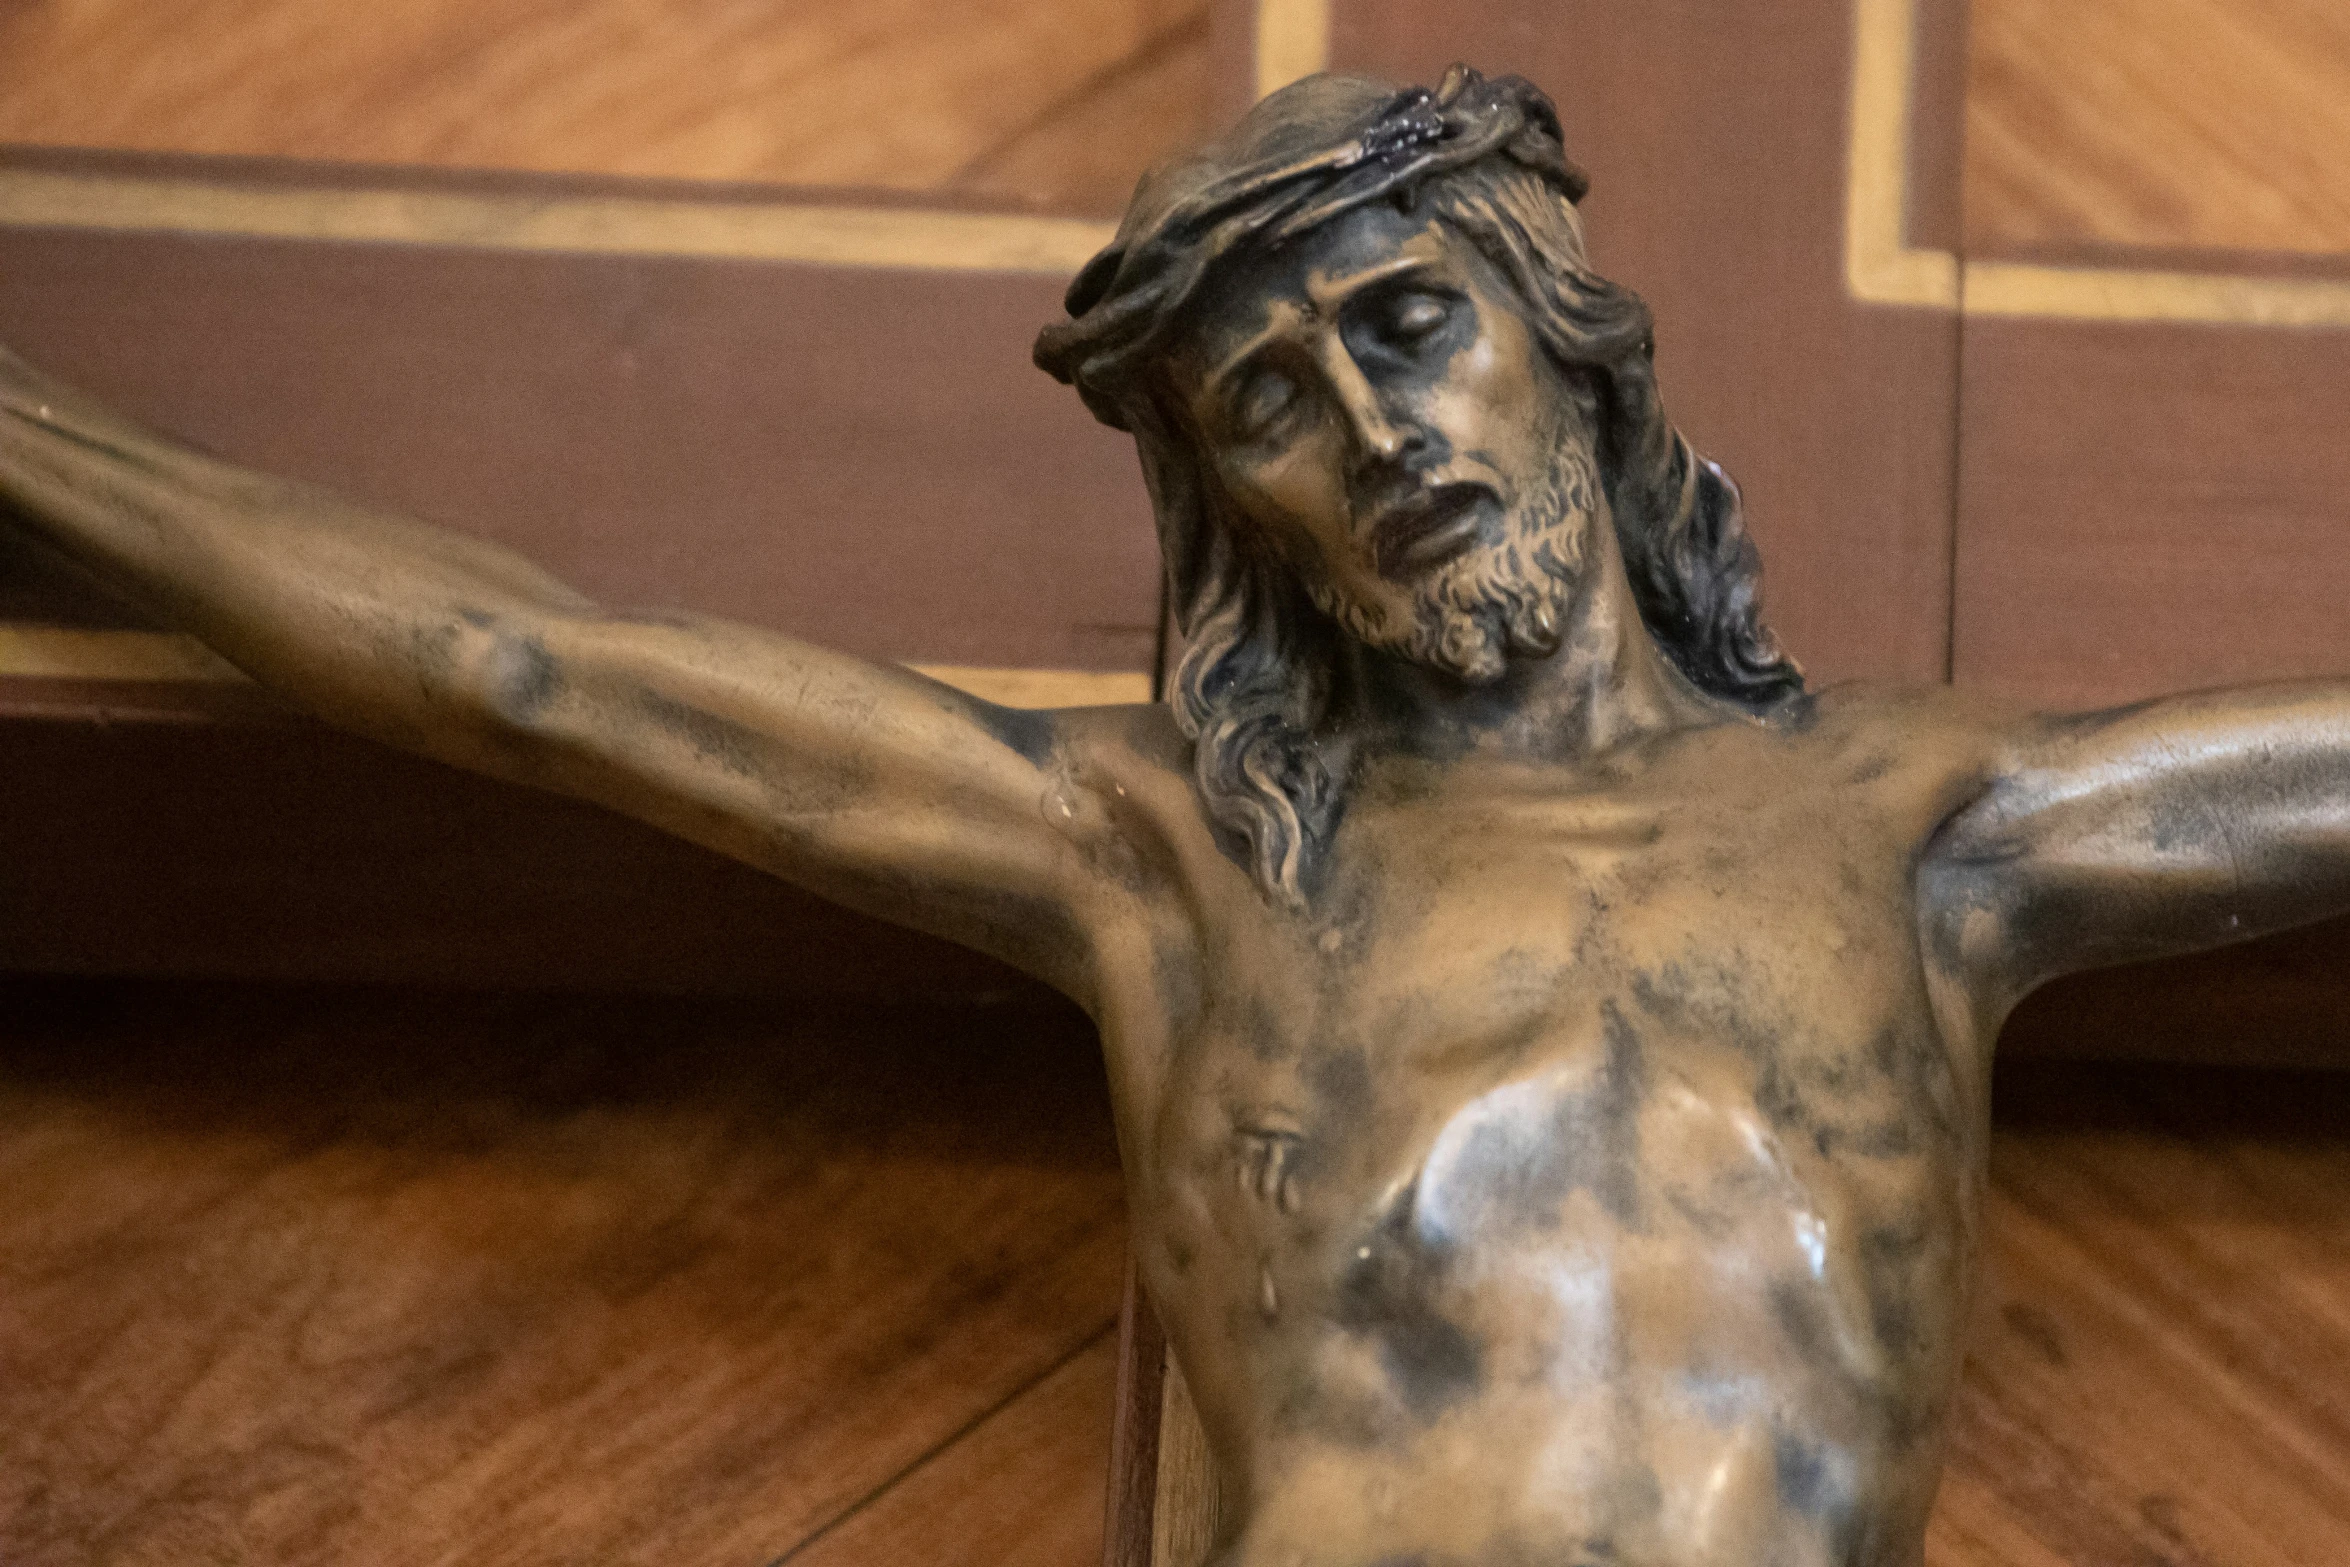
{"points": [[1608, 684]]}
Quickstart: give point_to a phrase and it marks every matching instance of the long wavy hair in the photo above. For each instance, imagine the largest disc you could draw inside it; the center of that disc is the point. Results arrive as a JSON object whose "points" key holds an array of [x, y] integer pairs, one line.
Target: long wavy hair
{"points": [[1254, 682]]}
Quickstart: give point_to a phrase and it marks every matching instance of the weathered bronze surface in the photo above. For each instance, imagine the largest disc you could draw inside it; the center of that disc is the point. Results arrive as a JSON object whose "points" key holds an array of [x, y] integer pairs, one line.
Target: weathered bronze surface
{"points": [[1550, 1045]]}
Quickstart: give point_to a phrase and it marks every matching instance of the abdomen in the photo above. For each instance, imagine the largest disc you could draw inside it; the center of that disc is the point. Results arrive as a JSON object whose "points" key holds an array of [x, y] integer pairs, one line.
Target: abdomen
{"points": [[1616, 1313]]}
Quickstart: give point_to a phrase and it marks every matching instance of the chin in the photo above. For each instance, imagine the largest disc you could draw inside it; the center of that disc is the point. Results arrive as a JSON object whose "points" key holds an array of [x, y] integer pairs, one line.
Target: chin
{"points": [[1472, 616]]}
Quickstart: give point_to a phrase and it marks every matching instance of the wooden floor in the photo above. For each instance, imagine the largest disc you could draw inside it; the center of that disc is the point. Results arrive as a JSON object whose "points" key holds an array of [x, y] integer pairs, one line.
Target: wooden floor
{"points": [[2160, 1373], [358, 1277], [351, 1276]]}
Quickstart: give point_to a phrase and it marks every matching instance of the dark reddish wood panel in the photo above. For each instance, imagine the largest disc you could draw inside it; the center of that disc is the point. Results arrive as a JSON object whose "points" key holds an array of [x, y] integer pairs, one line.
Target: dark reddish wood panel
{"points": [[863, 456], [1132, 1500], [271, 848], [2279, 1001], [2148, 508], [1716, 141]]}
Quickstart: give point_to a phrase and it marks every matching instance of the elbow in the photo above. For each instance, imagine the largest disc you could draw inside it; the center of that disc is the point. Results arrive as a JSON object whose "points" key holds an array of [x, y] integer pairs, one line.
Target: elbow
{"points": [[506, 677]]}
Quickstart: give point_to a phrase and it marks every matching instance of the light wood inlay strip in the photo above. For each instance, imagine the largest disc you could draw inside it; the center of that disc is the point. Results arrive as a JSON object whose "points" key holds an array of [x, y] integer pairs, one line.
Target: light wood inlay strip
{"points": [[1293, 41], [159, 657], [848, 236], [1881, 267]]}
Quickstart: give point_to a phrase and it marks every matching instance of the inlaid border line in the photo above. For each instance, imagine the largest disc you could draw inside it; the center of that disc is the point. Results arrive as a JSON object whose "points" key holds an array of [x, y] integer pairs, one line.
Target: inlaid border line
{"points": [[1882, 267], [167, 658], [917, 238]]}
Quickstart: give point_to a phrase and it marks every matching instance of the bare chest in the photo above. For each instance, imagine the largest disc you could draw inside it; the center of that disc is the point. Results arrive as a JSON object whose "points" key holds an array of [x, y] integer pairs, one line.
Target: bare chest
{"points": [[1603, 1139]]}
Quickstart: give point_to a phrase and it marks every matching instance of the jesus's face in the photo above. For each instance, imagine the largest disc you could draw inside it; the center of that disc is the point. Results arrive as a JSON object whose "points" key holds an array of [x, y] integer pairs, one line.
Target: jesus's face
{"points": [[1383, 417]]}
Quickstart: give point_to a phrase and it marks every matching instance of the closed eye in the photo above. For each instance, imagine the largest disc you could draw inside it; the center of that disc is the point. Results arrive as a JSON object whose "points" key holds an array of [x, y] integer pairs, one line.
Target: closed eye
{"points": [[1416, 315], [1265, 394], [1402, 320]]}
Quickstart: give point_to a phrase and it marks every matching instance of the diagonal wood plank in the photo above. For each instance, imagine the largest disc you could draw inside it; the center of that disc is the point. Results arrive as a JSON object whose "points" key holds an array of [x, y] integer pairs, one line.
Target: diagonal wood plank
{"points": [[1023, 1488], [1056, 102], [2168, 123], [2161, 1371], [517, 1280]]}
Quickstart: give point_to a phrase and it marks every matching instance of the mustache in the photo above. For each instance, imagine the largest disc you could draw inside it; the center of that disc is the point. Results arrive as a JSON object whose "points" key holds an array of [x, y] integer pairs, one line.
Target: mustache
{"points": [[1430, 523], [1381, 486]]}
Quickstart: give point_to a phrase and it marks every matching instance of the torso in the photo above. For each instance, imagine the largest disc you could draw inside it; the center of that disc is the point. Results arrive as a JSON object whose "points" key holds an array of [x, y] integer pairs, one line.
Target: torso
{"points": [[1589, 1175]]}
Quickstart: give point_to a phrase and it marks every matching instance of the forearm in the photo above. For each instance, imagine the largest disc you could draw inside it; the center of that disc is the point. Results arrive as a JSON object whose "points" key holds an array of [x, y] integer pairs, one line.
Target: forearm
{"points": [[377, 622]]}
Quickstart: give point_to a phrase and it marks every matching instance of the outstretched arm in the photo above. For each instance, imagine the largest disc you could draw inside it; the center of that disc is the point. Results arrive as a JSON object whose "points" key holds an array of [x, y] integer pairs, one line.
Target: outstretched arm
{"points": [[870, 784], [2172, 825]]}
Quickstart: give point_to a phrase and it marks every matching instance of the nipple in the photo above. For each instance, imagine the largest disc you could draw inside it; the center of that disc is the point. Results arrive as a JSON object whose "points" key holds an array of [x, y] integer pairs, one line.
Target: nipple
{"points": [[1268, 1298]]}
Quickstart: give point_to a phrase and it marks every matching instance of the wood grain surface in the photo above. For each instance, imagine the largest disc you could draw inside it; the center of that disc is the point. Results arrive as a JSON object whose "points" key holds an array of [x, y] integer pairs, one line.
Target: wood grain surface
{"points": [[363, 1277], [2161, 1368], [2173, 124], [647, 428], [1060, 103]]}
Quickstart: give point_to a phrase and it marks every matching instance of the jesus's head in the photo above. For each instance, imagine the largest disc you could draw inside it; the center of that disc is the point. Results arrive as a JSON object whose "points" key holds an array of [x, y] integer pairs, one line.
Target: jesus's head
{"points": [[1381, 420], [1381, 397]]}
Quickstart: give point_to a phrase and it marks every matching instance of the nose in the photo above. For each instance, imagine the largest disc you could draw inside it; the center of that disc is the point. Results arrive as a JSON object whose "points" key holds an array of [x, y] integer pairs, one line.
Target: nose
{"points": [[1378, 434]]}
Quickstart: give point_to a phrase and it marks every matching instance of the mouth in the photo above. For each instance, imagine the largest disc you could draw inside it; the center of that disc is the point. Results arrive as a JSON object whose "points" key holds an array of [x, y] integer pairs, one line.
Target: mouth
{"points": [[1427, 528]]}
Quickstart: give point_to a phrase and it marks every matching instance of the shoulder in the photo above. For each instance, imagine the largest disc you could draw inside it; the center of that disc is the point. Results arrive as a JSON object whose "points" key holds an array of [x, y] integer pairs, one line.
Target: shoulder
{"points": [[1122, 776], [1926, 725], [1922, 753], [1136, 743]]}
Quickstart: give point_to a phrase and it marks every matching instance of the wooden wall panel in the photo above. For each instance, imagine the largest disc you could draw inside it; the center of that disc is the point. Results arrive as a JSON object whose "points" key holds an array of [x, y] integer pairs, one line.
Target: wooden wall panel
{"points": [[1061, 103], [2171, 123], [2150, 504], [2150, 507], [861, 455], [1716, 140]]}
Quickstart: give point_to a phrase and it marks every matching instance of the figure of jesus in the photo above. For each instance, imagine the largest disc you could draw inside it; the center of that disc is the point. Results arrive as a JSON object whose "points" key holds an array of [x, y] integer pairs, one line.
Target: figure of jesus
{"points": [[1550, 1045]]}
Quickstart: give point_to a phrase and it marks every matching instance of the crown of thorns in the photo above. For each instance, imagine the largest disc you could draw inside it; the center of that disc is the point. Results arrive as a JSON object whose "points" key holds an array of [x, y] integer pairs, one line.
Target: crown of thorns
{"points": [[1300, 158]]}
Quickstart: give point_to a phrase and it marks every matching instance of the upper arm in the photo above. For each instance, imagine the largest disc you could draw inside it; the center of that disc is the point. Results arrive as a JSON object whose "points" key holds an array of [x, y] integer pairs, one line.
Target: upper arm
{"points": [[2165, 827], [868, 783]]}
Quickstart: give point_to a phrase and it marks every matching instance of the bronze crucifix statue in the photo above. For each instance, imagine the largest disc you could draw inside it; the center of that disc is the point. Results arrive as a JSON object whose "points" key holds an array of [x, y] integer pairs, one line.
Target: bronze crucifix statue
{"points": [[1550, 1045]]}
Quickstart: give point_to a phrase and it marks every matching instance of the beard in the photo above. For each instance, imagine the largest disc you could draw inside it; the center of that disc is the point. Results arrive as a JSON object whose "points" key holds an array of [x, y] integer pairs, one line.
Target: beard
{"points": [[1510, 598]]}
